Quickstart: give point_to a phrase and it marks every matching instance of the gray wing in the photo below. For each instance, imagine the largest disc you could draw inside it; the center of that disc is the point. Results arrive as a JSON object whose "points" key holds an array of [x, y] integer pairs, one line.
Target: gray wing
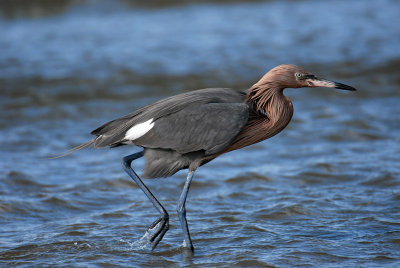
{"points": [[209, 127], [189, 113]]}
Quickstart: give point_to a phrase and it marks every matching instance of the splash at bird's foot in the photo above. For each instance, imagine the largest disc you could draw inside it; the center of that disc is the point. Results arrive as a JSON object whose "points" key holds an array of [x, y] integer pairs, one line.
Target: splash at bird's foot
{"points": [[154, 234], [157, 230], [188, 247]]}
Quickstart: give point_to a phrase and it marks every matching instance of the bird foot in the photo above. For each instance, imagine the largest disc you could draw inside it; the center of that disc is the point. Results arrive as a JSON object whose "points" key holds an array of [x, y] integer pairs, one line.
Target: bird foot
{"points": [[156, 231]]}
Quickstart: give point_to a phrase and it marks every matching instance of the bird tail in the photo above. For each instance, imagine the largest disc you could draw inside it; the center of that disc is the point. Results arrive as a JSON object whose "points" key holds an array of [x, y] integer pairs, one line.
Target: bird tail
{"points": [[70, 151]]}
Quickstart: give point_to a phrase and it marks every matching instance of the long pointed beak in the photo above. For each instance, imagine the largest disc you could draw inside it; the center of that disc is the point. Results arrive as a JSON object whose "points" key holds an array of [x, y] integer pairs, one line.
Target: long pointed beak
{"points": [[317, 82]]}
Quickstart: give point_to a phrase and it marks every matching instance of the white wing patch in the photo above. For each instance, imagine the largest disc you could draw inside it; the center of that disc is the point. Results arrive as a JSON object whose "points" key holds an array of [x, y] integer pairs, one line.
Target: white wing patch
{"points": [[139, 130]]}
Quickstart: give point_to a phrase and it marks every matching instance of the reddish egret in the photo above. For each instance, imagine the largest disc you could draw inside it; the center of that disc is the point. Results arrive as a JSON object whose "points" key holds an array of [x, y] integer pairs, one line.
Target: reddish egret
{"points": [[191, 129]]}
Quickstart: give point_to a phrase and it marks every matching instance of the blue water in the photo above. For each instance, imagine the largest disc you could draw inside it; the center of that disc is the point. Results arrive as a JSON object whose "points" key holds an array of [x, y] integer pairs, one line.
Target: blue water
{"points": [[323, 193]]}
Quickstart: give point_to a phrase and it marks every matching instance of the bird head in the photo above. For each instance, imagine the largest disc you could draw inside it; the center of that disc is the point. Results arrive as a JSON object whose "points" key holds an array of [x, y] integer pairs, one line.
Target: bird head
{"points": [[292, 76]]}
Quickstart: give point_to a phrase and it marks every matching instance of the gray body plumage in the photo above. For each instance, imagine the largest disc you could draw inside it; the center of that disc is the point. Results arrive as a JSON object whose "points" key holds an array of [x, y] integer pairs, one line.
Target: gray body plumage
{"points": [[188, 129]]}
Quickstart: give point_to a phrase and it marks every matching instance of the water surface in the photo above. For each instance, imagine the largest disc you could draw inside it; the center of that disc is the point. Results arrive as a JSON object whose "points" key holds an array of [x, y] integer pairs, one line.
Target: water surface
{"points": [[324, 192]]}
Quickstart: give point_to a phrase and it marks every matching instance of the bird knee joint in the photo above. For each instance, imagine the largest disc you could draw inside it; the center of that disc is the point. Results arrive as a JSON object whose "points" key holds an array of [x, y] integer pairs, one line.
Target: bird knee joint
{"points": [[126, 163], [165, 217]]}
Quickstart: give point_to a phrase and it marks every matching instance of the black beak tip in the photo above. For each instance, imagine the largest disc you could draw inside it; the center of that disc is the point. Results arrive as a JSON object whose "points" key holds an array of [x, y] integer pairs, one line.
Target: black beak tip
{"points": [[345, 87]]}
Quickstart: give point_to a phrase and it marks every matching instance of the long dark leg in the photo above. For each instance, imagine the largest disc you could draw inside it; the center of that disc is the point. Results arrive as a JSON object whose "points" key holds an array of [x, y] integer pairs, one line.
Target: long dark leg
{"points": [[181, 209], [161, 223]]}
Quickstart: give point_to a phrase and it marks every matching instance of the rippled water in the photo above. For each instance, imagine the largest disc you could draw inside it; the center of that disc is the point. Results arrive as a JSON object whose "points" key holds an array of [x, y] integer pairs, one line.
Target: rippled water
{"points": [[324, 192]]}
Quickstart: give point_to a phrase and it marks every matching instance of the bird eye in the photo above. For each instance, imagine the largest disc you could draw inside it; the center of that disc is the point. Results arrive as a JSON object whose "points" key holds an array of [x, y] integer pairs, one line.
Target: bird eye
{"points": [[299, 76]]}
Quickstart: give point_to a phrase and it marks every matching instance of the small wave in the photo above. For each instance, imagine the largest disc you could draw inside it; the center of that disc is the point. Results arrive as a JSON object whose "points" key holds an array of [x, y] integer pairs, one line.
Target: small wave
{"points": [[18, 178], [117, 183], [115, 215], [74, 233], [60, 203], [315, 177], [252, 263], [250, 176], [384, 180], [321, 256], [355, 135], [280, 212]]}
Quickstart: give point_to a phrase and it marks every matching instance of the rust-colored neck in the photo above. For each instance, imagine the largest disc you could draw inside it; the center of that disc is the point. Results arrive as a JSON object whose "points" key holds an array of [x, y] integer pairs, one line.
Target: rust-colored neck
{"points": [[266, 99], [270, 112]]}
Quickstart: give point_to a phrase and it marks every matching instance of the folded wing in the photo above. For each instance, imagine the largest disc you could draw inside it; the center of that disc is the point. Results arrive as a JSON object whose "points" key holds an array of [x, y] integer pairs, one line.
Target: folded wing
{"points": [[205, 120]]}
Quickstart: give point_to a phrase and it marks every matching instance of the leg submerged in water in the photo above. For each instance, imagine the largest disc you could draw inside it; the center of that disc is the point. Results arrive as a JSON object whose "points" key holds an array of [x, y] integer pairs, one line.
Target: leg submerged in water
{"points": [[162, 223]]}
